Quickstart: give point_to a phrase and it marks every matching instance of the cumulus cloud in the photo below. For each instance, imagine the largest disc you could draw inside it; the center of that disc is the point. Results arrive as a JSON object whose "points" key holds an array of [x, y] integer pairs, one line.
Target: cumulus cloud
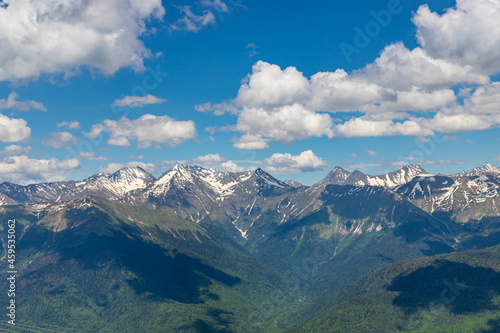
{"points": [[69, 124], [24, 170], [14, 150], [60, 139], [148, 128], [47, 37], [401, 69], [339, 91], [306, 161], [11, 102], [453, 123], [402, 92], [484, 100], [138, 101], [361, 127], [208, 159], [270, 86], [14, 130], [283, 124], [468, 34], [413, 100]]}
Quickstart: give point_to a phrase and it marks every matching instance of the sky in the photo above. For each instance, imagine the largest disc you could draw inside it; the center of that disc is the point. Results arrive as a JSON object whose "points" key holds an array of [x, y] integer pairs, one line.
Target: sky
{"points": [[293, 87]]}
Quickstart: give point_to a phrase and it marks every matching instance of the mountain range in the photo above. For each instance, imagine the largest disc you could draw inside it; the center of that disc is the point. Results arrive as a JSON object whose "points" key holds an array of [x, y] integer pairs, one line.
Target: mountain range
{"points": [[202, 250]]}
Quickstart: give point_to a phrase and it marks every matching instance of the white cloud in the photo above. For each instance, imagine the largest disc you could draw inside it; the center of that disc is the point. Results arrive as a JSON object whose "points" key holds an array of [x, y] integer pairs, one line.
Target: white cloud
{"points": [[354, 155], [284, 124], [47, 37], [208, 159], [269, 86], [233, 167], [485, 100], [218, 109], [14, 130], [60, 139], [458, 47], [468, 34], [91, 156], [24, 170], [496, 158], [14, 150], [138, 101], [306, 161], [11, 102], [146, 129], [361, 127], [217, 5], [339, 91], [69, 124], [251, 142], [413, 100], [401, 69], [370, 152], [192, 22], [460, 122]]}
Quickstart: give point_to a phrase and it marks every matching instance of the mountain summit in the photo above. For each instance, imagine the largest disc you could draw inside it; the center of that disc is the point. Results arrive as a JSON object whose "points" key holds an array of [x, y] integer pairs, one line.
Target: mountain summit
{"points": [[339, 176], [486, 169]]}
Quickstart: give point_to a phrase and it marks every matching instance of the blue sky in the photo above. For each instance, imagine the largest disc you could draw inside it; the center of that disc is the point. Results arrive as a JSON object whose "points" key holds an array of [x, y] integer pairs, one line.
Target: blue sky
{"points": [[294, 87]]}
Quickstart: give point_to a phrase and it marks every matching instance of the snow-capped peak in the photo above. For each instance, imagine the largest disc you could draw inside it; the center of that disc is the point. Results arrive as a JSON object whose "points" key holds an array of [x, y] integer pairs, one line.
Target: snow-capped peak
{"points": [[130, 174], [486, 169], [339, 176], [120, 182]]}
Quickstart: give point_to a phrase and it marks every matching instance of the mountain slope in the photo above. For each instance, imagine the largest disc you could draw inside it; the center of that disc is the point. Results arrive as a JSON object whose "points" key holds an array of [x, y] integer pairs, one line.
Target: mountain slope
{"points": [[458, 292], [114, 186], [94, 265], [463, 198], [486, 169]]}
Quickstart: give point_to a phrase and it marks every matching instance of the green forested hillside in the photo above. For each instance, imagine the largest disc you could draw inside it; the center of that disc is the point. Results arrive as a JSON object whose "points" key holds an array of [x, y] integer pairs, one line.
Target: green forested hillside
{"points": [[457, 292], [95, 265], [98, 266]]}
